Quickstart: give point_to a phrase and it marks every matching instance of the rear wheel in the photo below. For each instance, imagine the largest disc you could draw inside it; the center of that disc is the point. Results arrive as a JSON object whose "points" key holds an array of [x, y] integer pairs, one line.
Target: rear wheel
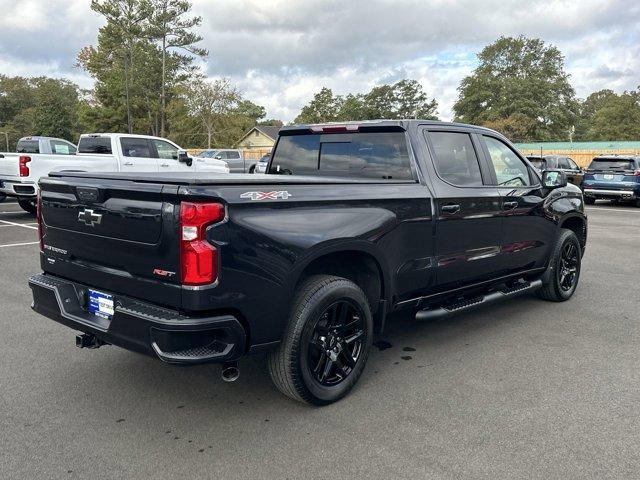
{"points": [[3, 197], [565, 268], [252, 169], [327, 341], [589, 200], [28, 206]]}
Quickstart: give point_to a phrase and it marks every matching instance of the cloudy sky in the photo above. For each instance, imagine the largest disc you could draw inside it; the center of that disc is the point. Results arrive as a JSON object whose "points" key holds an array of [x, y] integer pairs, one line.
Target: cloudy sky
{"points": [[280, 52]]}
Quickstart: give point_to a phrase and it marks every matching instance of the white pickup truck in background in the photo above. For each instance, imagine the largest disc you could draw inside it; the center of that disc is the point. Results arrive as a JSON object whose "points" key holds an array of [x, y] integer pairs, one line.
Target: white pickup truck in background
{"points": [[97, 152]]}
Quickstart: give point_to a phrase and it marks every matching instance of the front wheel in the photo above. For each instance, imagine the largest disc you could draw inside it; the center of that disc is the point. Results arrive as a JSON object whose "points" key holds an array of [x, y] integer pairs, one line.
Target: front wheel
{"points": [[28, 206], [326, 343], [564, 273]]}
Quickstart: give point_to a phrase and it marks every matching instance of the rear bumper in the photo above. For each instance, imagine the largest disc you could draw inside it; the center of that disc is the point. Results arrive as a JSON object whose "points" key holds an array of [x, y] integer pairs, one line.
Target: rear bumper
{"points": [[140, 326], [604, 193], [15, 188]]}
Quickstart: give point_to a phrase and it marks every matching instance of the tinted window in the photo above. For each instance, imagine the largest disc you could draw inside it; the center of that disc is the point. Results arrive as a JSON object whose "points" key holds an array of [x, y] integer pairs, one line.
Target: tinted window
{"points": [[62, 148], [563, 162], [94, 145], [166, 151], [28, 146], [381, 155], [509, 168], [296, 155], [612, 164], [572, 164], [455, 158], [537, 162], [233, 155], [135, 147]]}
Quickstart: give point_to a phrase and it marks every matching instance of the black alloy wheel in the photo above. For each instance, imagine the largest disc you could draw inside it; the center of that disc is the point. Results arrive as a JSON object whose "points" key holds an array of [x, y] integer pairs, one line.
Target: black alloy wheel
{"points": [[336, 342]]}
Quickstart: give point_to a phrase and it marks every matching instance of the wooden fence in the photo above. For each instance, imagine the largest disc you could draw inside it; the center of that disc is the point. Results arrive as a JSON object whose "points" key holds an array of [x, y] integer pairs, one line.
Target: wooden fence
{"points": [[581, 157]]}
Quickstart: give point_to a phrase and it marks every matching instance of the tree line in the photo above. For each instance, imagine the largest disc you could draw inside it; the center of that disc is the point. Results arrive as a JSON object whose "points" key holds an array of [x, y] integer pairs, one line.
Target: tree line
{"points": [[519, 88], [147, 80]]}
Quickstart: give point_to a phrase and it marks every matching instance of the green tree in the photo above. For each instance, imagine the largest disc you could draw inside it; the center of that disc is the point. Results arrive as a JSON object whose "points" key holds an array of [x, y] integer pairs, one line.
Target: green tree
{"points": [[127, 26], [210, 102], [170, 27], [520, 80], [605, 115], [324, 107], [38, 106], [404, 99]]}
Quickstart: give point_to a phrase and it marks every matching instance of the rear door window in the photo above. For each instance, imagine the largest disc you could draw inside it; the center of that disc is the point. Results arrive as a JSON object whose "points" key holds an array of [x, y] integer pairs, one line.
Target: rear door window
{"points": [[95, 145], [28, 146], [510, 170], [455, 158], [382, 155], [136, 147], [233, 155]]}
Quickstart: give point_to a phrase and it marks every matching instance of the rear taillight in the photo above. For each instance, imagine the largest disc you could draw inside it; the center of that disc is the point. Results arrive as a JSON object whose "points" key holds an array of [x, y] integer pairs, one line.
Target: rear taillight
{"points": [[39, 217], [22, 163], [198, 258]]}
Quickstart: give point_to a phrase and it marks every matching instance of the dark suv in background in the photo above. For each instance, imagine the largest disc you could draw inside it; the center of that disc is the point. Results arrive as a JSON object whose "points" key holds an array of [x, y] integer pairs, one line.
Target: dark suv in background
{"points": [[613, 177], [574, 173]]}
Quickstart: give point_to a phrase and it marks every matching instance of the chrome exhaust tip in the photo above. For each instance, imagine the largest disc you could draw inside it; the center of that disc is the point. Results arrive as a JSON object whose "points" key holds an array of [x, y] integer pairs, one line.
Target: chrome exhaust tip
{"points": [[230, 372]]}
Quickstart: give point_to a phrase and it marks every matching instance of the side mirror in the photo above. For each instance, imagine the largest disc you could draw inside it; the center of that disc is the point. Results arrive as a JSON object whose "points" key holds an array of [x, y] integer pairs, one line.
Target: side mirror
{"points": [[554, 179], [183, 157], [218, 157]]}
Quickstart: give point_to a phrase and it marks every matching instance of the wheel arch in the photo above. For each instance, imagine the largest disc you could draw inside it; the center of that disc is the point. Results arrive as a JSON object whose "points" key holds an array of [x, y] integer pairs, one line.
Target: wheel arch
{"points": [[578, 224], [360, 262]]}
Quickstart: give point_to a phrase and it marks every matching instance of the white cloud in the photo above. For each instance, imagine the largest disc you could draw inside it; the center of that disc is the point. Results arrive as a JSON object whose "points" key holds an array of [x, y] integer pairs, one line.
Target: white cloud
{"points": [[281, 52]]}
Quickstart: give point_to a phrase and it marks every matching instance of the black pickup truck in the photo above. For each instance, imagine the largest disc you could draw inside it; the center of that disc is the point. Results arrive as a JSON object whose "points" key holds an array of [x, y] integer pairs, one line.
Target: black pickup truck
{"points": [[304, 263]]}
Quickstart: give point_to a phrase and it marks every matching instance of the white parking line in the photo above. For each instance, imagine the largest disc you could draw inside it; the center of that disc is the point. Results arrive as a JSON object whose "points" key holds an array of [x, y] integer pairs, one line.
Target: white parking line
{"points": [[595, 209], [18, 244], [18, 224]]}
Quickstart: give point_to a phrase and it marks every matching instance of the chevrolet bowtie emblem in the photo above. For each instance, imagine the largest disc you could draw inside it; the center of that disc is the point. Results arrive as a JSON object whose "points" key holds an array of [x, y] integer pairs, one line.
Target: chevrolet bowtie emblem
{"points": [[89, 218]]}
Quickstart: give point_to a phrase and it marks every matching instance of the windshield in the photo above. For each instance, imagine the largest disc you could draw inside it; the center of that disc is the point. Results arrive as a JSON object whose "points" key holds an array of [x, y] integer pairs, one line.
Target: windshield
{"points": [[208, 154], [612, 164]]}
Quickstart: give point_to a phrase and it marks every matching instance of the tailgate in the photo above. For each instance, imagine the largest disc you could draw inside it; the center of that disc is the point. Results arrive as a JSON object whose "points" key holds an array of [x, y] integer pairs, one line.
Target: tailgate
{"points": [[115, 235], [9, 165]]}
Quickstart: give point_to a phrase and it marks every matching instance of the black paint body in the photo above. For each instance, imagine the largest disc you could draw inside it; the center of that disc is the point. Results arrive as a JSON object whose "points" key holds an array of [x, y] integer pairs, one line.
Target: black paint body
{"points": [[421, 252]]}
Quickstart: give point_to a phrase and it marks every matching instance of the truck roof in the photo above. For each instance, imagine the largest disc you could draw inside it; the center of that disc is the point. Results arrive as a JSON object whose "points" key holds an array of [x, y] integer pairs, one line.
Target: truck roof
{"points": [[402, 124], [118, 135]]}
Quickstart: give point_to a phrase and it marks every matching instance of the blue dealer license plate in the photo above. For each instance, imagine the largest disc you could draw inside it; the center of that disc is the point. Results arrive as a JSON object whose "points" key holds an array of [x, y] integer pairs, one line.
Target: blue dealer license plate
{"points": [[101, 304]]}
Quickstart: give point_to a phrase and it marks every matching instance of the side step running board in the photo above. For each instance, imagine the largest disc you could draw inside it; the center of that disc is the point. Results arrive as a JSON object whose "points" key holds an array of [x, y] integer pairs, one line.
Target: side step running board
{"points": [[473, 302]]}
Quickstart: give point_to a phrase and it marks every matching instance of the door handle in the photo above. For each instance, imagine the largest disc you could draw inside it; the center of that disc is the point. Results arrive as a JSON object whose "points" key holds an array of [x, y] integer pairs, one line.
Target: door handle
{"points": [[128, 164], [509, 205], [451, 209], [164, 164]]}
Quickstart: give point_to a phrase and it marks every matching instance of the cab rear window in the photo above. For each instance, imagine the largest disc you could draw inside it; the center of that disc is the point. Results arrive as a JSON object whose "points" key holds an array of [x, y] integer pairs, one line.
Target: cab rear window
{"points": [[382, 155], [28, 146], [94, 145]]}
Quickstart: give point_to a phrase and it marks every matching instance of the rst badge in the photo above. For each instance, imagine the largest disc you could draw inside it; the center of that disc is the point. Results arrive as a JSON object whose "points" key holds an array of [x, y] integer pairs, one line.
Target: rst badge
{"points": [[279, 195]]}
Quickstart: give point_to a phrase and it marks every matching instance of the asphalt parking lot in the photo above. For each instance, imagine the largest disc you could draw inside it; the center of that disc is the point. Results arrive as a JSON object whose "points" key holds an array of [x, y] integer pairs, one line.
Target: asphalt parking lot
{"points": [[524, 389]]}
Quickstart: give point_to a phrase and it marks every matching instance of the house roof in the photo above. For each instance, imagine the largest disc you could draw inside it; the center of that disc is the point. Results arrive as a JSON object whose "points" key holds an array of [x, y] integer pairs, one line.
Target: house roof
{"points": [[269, 131]]}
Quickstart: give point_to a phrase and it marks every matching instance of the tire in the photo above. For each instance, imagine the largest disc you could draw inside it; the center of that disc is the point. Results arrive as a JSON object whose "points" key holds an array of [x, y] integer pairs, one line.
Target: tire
{"points": [[252, 169], [293, 366], [589, 200], [28, 206], [3, 197], [559, 287]]}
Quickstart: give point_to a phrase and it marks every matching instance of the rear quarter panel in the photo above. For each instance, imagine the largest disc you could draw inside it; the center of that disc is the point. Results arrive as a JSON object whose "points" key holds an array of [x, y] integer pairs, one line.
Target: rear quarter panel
{"points": [[265, 245]]}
